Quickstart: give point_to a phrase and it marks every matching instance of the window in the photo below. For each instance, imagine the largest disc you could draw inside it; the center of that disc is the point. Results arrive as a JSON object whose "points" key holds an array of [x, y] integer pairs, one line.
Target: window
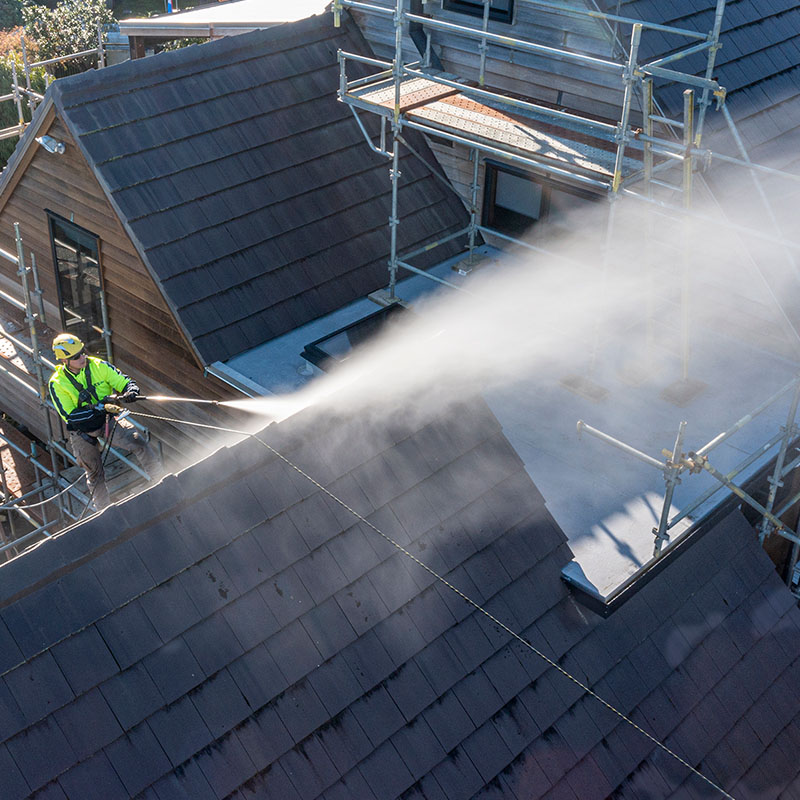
{"points": [[336, 347], [514, 200], [76, 256], [500, 10]]}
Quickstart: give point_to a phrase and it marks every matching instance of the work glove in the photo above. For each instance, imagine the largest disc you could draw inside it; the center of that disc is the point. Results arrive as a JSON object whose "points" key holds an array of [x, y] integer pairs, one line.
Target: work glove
{"points": [[130, 395]]}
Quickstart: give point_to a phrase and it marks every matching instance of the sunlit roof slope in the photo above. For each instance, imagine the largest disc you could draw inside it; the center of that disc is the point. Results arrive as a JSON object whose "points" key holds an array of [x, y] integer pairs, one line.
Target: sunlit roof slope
{"points": [[235, 632], [222, 19], [246, 187]]}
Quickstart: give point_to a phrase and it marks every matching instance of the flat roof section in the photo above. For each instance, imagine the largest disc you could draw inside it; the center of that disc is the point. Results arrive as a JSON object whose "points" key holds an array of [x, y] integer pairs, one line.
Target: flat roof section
{"points": [[606, 501], [223, 19], [277, 366]]}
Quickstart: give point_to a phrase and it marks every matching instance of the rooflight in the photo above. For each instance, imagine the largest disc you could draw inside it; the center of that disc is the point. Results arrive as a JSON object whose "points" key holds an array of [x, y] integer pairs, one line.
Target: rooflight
{"points": [[336, 347]]}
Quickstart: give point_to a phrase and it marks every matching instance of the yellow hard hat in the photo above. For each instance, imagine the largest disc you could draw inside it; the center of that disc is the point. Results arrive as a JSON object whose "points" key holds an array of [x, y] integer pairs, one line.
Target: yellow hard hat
{"points": [[66, 346]]}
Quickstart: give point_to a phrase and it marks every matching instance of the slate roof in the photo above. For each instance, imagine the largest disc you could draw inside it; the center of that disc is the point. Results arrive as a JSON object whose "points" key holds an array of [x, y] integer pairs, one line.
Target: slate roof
{"points": [[759, 65], [246, 187], [233, 632]]}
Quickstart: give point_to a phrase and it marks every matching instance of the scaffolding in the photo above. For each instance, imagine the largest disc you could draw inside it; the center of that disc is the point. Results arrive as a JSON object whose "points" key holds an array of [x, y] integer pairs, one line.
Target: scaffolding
{"points": [[23, 92], [402, 91], [57, 498]]}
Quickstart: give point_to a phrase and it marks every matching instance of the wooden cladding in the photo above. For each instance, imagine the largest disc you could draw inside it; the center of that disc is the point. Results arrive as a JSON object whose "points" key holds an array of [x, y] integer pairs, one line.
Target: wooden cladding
{"points": [[559, 81], [147, 343]]}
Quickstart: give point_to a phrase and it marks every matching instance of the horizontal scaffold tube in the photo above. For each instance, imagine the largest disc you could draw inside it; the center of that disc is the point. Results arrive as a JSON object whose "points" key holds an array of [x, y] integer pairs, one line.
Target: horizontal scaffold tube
{"points": [[496, 38]]}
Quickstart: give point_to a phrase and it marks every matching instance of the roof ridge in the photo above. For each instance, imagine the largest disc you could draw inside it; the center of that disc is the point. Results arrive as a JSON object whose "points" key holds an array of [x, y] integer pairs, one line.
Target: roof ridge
{"points": [[76, 90]]}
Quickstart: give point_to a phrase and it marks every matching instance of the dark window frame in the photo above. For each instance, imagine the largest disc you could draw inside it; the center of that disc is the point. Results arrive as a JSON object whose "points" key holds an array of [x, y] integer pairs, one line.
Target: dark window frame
{"points": [[475, 9], [88, 240], [547, 185]]}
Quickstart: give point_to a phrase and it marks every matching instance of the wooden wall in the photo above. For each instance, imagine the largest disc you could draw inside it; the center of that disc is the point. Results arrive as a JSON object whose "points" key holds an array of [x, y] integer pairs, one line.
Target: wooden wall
{"points": [[571, 85], [146, 341], [566, 84]]}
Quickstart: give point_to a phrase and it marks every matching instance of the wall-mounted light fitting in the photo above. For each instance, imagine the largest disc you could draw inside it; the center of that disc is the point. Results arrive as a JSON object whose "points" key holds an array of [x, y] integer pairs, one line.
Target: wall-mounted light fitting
{"points": [[50, 144]]}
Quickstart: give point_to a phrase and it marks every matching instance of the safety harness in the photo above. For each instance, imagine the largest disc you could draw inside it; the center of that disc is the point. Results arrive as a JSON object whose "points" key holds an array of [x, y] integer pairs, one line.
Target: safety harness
{"points": [[86, 417]]}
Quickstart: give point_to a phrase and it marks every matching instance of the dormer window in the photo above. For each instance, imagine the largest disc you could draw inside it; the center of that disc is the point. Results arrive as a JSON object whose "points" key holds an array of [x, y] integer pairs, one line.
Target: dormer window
{"points": [[515, 200], [500, 10]]}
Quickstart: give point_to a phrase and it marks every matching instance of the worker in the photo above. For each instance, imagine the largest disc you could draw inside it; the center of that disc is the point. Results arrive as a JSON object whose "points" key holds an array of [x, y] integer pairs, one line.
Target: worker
{"points": [[77, 389]]}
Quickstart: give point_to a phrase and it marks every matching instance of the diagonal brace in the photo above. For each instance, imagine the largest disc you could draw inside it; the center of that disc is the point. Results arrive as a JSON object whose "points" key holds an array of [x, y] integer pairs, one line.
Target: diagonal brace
{"points": [[695, 463]]}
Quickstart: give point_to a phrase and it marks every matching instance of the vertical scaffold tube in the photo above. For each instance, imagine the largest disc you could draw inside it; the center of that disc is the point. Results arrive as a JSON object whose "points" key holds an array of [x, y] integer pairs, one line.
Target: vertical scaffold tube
{"points": [[394, 221], [397, 73], [27, 69], [630, 82], [688, 133], [101, 55], [30, 317], [17, 98], [672, 480], [483, 46], [712, 57], [473, 211]]}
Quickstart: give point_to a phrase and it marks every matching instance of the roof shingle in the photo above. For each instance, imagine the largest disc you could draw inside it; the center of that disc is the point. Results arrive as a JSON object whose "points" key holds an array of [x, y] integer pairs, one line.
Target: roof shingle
{"points": [[333, 663]]}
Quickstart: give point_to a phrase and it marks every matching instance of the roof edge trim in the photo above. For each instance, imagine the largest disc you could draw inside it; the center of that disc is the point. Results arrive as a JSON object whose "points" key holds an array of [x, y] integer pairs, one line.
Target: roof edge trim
{"points": [[19, 158], [605, 606]]}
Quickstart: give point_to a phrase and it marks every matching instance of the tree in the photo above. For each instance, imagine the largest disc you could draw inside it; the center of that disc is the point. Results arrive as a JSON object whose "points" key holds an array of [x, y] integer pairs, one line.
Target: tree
{"points": [[10, 14], [70, 27]]}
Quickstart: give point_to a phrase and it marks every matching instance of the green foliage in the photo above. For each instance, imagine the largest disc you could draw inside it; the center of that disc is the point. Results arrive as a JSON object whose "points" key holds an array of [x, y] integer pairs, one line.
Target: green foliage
{"points": [[177, 44], [10, 13], [70, 27], [138, 8]]}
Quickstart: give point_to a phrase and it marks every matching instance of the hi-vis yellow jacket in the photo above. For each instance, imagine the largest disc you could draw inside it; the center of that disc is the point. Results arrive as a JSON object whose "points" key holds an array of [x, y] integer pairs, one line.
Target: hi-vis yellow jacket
{"points": [[74, 396]]}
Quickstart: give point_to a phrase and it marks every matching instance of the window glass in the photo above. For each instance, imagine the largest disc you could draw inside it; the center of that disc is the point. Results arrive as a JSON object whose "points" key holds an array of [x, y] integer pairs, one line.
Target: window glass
{"points": [[500, 10], [561, 204], [515, 200], [76, 257], [519, 194], [336, 347]]}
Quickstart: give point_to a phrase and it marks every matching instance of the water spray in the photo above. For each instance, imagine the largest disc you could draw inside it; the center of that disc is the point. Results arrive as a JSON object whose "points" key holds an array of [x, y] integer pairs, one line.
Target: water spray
{"points": [[264, 406]]}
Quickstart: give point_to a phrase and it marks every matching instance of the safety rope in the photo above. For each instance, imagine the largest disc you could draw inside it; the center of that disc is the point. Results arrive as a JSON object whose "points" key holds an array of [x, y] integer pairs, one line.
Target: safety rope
{"points": [[26, 506], [461, 594]]}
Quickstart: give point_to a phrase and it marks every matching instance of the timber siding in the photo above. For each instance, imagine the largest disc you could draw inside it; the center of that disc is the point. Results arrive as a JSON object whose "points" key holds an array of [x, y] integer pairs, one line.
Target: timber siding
{"points": [[147, 344], [591, 92], [758, 62], [562, 83]]}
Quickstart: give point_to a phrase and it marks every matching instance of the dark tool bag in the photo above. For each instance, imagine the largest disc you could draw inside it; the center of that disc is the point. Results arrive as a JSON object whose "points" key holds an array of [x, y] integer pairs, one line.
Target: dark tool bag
{"points": [[85, 417]]}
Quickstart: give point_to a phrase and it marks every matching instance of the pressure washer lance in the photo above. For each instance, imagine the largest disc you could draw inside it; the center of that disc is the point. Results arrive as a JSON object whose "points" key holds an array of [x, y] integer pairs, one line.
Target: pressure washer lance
{"points": [[121, 413], [158, 398]]}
